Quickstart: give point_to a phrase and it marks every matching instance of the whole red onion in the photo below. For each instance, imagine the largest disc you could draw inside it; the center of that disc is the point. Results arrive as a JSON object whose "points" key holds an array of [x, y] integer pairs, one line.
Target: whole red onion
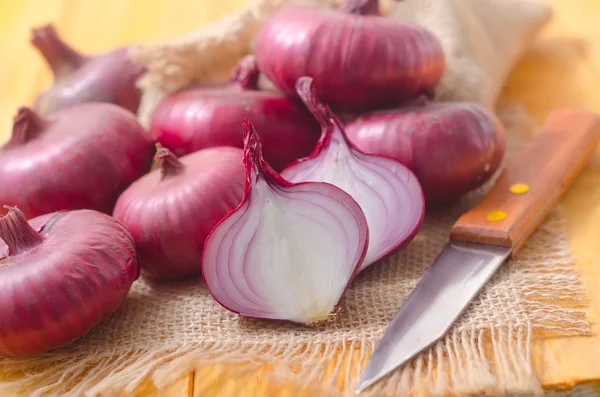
{"points": [[80, 157], [197, 118], [358, 59], [109, 77], [452, 148], [56, 284], [171, 210]]}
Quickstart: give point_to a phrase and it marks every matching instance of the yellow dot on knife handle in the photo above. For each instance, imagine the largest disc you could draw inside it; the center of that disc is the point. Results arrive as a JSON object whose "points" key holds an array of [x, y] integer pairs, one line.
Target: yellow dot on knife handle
{"points": [[495, 216], [519, 188]]}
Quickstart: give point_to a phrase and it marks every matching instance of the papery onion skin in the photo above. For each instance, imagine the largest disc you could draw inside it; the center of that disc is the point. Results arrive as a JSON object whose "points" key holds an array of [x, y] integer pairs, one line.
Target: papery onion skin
{"points": [[452, 148], [228, 267], [358, 60], [55, 287], [171, 210], [387, 191], [81, 157], [200, 117], [110, 77]]}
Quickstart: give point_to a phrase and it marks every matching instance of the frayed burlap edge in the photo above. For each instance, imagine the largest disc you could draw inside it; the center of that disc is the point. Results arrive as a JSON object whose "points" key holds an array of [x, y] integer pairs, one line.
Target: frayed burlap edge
{"points": [[483, 358], [492, 361]]}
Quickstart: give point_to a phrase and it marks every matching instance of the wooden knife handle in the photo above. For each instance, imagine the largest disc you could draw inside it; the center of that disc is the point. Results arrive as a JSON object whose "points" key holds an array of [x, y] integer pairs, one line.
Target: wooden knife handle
{"points": [[533, 181]]}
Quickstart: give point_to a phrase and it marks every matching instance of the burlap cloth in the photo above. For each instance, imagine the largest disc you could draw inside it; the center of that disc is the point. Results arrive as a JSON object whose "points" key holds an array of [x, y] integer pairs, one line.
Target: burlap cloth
{"points": [[167, 330]]}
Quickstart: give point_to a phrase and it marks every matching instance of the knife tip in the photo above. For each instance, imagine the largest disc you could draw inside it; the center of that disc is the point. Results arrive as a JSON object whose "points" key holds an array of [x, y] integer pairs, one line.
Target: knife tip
{"points": [[362, 385]]}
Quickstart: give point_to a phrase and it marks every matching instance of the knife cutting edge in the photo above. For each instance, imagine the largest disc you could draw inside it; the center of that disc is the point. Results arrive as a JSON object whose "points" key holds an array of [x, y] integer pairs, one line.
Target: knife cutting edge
{"points": [[484, 237]]}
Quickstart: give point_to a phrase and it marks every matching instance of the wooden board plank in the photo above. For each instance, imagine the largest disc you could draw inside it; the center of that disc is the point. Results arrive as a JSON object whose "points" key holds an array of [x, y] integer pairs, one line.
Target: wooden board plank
{"points": [[183, 387], [563, 69]]}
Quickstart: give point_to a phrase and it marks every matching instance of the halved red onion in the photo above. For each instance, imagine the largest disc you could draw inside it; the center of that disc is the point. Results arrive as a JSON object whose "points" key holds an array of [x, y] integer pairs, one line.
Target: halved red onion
{"points": [[388, 192], [289, 251]]}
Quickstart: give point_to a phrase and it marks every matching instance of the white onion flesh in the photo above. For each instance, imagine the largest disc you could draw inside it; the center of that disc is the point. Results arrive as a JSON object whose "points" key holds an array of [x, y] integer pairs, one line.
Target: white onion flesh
{"points": [[288, 252], [387, 191]]}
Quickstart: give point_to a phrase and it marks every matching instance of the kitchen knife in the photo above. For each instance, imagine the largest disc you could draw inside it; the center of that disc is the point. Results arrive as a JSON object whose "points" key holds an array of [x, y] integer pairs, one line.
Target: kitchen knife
{"points": [[484, 237]]}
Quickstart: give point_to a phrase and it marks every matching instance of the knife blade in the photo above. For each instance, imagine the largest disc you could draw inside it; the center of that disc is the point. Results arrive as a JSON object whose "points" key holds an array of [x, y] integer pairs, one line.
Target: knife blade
{"points": [[485, 236]]}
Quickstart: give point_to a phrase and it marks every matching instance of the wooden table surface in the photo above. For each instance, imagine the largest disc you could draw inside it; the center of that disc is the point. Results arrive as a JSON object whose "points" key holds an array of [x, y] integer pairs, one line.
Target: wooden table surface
{"points": [[562, 69]]}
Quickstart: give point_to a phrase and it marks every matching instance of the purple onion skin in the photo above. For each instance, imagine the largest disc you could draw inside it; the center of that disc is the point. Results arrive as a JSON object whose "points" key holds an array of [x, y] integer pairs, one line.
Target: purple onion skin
{"points": [[80, 157], [55, 287], [199, 118], [36, 223], [109, 77], [171, 210], [358, 62], [451, 148]]}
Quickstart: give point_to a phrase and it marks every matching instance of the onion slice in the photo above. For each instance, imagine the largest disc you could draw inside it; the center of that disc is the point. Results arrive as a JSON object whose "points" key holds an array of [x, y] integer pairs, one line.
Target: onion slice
{"points": [[387, 191], [288, 251]]}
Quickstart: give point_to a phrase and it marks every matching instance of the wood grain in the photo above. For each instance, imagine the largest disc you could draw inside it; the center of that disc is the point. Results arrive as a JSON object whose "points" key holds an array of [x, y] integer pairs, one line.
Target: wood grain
{"points": [[547, 166], [562, 69]]}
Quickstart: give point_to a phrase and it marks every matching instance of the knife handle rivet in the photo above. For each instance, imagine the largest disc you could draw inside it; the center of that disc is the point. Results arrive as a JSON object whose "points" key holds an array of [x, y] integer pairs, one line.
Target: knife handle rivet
{"points": [[495, 216], [519, 188]]}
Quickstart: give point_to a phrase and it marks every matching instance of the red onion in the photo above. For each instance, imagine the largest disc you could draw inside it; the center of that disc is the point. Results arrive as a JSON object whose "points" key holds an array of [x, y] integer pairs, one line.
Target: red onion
{"points": [[388, 192], [171, 210], [80, 157], [109, 77], [36, 223], [452, 148], [289, 251], [357, 58], [56, 284], [198, 118]]}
